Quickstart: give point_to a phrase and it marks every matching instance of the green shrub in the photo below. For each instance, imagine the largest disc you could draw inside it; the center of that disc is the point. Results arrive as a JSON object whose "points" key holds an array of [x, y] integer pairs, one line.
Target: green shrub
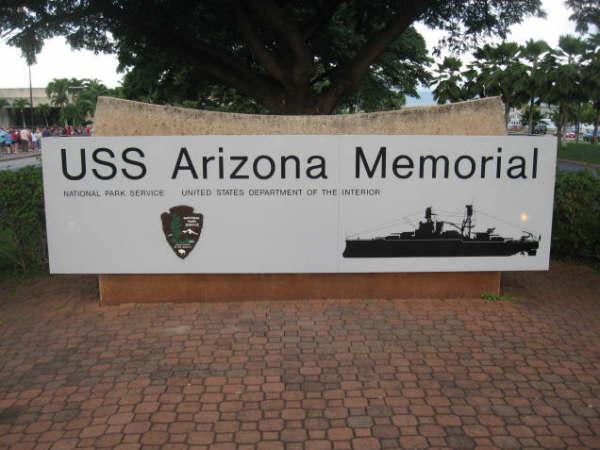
{"points": [[576, 224], [22, 222], [575, 233]]}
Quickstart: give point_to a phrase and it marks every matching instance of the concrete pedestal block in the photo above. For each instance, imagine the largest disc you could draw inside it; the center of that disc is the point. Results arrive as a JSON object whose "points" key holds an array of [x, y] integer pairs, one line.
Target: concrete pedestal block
{"points": [[116, 117]]}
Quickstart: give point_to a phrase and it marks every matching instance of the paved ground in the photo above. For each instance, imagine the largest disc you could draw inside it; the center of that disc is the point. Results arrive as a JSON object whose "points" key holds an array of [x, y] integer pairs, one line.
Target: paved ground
{"points": [[19, 160], [575, 166], [303, 375]]}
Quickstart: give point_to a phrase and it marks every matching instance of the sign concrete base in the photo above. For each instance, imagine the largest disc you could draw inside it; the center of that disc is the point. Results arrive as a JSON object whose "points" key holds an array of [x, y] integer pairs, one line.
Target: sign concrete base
{"points": [[116, 117], [116, 289]]}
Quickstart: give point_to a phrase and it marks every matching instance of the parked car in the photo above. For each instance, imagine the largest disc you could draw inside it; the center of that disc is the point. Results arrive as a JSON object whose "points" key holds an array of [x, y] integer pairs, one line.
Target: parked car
{"points": [[540, 128]]}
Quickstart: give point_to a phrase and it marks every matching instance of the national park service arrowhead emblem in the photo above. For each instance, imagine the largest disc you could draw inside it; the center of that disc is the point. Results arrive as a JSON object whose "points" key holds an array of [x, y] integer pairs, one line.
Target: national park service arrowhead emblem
{"points": [[182, 228]]}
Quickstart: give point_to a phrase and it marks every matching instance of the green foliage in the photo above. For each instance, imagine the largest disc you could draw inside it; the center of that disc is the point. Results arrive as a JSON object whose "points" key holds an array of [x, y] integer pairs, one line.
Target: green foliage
{"points": [[59, 90], [561, 81], [591, 78], [448, 81], [496, 298], [499, 72], [538, 116], [576, 225], [580, 151], [76, 98], [576, 222], [293, 57], [22, 222], [20, 104], [44, 110], [586, 13], [532, 52]]}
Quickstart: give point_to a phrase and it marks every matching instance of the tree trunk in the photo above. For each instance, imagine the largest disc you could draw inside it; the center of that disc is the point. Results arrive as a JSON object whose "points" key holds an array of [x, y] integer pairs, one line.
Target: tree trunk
{"points": [[506, 114], [595, 132], [578, 123], [559, 130], [531, 115]]}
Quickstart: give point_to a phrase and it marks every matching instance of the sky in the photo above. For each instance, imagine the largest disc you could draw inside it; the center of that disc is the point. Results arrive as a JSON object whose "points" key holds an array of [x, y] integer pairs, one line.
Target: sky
{"points": [[58, 60]]}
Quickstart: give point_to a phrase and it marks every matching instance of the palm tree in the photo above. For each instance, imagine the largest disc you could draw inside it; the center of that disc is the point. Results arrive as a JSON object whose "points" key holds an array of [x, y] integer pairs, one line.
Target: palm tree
{"points": [[478, 74], [43, 110], [59, 90], [561, 85], [532, 52], [527, 115], [20, 104], [591, 77], [573, 49], [448, 81], [88, 95], [499, 72]]}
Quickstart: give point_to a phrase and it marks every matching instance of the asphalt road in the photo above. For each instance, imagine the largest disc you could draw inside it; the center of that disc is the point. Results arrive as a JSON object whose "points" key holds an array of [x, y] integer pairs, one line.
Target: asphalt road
{"points": [[570, 166]]}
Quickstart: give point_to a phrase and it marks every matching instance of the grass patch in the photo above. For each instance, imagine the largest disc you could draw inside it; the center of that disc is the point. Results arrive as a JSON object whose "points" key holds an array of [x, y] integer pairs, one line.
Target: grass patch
{"points": [[580, 151], [496, 298]]}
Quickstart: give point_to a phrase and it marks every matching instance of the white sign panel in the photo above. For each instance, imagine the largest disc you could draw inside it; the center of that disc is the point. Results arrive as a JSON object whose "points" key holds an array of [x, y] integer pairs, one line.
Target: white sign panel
{"points": [[298, 204]]}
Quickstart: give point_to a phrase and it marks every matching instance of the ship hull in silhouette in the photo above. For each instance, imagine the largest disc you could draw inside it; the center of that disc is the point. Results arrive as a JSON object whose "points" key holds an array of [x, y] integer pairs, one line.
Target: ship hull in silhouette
{"points": [[430, 239]]}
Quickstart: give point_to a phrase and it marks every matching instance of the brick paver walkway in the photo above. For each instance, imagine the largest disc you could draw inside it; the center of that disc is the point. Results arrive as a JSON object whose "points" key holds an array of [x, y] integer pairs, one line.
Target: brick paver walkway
{"points": [[303, 375]]}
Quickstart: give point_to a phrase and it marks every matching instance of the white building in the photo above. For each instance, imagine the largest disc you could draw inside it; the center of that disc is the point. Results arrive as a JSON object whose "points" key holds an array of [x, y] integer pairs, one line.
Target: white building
{"points": [[8, 116]]}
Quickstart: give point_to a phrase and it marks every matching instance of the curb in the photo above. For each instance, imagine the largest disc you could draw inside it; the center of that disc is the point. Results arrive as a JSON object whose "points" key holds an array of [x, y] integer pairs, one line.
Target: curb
{"points": [[20, 156]]}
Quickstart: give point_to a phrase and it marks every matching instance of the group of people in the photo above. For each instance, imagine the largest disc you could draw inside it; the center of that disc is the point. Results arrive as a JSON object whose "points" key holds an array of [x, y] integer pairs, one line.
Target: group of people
{"points": [[14, 140]]}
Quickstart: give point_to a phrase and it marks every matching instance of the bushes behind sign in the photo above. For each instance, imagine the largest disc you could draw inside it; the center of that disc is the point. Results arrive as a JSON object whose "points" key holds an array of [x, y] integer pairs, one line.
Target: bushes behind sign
{"points": [[576, 223], [22, 223], [575, 233]]}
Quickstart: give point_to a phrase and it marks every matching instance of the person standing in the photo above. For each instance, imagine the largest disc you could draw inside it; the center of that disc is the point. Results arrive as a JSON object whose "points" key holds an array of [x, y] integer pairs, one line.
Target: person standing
{"points": [[38, 135], [15, 136], [25, 137], [34, 139], [8, 141]]}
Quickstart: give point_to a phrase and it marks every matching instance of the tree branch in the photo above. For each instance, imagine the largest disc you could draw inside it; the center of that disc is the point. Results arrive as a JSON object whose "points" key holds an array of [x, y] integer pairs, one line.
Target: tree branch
{"points": [[213, 63], [350, 74], [321, 18], [262, 55], [287, 29]]}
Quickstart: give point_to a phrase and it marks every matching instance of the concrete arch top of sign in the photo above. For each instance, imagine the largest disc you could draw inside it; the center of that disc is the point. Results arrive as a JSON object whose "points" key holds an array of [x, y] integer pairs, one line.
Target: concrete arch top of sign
{"points": [[117, 117]]}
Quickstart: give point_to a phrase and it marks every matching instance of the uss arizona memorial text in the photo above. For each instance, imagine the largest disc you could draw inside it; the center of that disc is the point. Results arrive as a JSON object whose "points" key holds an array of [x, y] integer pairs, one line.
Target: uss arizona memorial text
{"points": [[106, 164]]}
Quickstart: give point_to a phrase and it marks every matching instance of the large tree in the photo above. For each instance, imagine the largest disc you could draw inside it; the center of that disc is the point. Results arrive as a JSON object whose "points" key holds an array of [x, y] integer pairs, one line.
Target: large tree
{"points": [[562, 83], [76, 98], [591, 79], [21, 104], [288, 56], [498, 71], [533, 52], [586, 13], [60, 90], [448, 81]]}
